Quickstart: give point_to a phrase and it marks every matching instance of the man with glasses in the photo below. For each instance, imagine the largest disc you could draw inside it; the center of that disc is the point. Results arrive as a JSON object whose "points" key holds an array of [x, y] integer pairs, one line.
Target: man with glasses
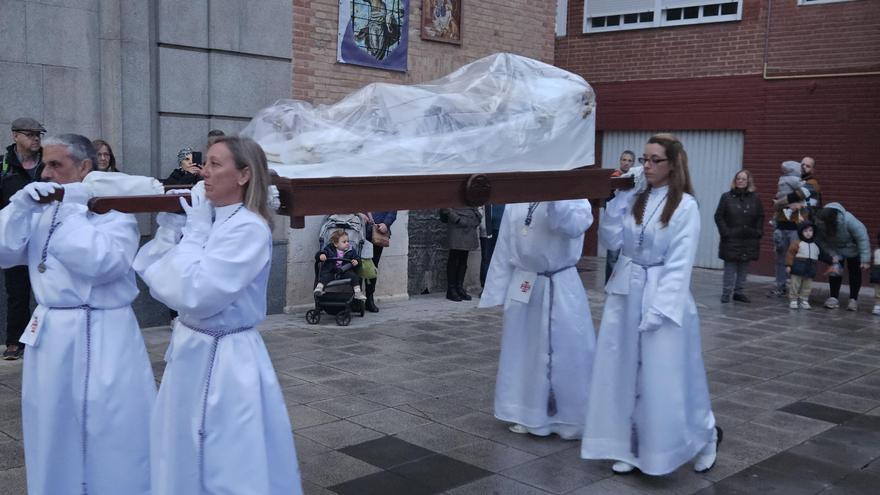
{"points": [[21, 164]]}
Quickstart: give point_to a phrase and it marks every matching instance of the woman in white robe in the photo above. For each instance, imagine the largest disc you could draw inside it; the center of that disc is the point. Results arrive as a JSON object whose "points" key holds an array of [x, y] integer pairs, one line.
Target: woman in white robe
{"points": [[220, 424], [650, 407], [548, 338], [83, 340]]}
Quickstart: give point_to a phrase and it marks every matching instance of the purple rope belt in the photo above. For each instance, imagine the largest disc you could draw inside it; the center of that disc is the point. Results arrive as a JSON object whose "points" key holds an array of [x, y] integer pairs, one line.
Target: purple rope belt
{"points": [[634, 428], [85, 403], [551, 396], [216, 335]]}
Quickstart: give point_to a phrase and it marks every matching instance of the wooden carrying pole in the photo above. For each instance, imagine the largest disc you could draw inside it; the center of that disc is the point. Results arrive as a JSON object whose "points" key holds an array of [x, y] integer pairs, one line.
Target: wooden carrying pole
{"points": [[303, 197]]}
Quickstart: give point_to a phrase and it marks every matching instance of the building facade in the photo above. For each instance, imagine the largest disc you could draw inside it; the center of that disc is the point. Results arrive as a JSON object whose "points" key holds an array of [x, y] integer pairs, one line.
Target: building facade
{"points": [[748, 83]]}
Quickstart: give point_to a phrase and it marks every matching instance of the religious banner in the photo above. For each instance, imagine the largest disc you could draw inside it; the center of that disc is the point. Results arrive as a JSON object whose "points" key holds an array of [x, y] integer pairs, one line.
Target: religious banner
{"points": [[441, 21], [373, 33]]}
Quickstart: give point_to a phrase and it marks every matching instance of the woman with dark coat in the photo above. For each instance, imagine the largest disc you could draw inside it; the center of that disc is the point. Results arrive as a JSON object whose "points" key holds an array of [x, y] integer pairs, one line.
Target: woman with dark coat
{"points": [[462, 236], [740, 221]]}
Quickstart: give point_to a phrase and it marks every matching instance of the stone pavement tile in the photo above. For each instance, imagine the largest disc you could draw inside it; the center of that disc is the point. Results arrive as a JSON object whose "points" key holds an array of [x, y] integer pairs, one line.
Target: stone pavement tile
{"points": [[491, 456], [317, 373], [864, 422], [13, 480], [310, 392], [857, 483], [394, 375], [461, 346], [821, 412], [810, 380], [435, 367], [307, 448], [431, 386], [679, 482], [362, 349], [287, 381], [571, 457], [859, 390], [609, 487], [286, 363], [843, 401], [383, 483], [391, 396], [805, 427], [480, 424], [437, 437], [759, 399], [789, 464], [387, 452], [831, 372], [496, 485], [549, 476], [351, 384], [436, 409], [358, 365], [479, 399], [848, 456], [302, 416], [466, 378], [539, 446], [346, 406], [440, 472], [737, 379], [787, 389], [725, 465], [310, 488], [339, 434], [389, 421], [759, 480], [332, 468], [715, 362], [11, 428], [756, 370], [776, 438], [11, 454], [736, 409]]}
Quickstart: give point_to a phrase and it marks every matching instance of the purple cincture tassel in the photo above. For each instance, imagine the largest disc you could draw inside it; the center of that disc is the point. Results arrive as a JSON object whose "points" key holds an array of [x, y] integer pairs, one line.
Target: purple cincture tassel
{"points": [[634, 439], [551, 403]]}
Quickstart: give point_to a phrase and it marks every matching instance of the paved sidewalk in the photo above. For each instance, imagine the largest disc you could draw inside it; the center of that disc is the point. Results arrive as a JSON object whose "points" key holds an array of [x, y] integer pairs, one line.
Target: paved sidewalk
{"points": [[400, 402]]}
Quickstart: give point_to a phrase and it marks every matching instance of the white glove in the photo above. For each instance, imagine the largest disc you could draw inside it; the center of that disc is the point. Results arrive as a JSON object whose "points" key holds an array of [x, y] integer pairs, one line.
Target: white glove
{"points": [[652, 321], [77, 192], [199, 215], [27, 197]]}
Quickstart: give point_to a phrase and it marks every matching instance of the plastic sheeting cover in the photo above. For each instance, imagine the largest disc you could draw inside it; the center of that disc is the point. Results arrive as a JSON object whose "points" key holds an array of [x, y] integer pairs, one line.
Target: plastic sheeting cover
{"points": [[501, 113]]}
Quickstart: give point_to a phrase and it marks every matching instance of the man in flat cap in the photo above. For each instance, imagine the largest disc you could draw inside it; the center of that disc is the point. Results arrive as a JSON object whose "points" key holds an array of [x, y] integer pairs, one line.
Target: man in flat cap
{"points": [[21, 164]]}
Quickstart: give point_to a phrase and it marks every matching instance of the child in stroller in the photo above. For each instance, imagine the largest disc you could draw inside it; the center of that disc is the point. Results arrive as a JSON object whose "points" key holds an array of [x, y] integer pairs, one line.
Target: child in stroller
{"points": [[338, 261]]}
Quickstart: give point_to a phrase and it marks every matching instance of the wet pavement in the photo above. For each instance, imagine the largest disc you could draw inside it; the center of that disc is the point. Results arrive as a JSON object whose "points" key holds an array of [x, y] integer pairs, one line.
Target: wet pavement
{"points": [[400, 402]]}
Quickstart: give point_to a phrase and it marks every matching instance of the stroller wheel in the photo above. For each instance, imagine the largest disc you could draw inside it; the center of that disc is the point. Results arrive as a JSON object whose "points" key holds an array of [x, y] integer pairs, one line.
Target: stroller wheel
{"points": [[343, 318], [313, 316]]}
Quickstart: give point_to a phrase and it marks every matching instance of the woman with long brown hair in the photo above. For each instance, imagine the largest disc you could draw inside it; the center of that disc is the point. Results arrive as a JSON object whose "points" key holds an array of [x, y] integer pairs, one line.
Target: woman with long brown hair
{"points": [[649, 406], [220, 423]]}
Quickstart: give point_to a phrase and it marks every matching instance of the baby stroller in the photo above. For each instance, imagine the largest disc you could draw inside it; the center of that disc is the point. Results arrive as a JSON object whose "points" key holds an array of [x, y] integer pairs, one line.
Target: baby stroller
{"points": [[338, 297]]}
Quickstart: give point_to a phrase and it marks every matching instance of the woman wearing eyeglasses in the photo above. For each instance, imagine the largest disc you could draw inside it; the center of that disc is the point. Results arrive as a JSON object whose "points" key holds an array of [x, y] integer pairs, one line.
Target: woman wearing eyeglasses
{"points": [[649, 408]]}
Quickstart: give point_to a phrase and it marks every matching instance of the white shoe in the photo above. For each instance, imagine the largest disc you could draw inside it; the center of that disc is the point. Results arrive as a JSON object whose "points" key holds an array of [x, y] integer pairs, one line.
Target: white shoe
{"points": [[621, 467], [832, 303], [793, 305], [853, 305], [876, 310], [805, 304], [518, 428], [705, 460]]}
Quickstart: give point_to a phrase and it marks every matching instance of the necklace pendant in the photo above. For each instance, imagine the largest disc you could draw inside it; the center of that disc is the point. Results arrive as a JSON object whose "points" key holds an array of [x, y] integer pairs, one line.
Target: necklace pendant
{"points": [[41, 267]]}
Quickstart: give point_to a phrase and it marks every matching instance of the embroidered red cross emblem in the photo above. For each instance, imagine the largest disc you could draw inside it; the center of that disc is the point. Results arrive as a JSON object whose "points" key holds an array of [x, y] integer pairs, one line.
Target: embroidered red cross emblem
{"points": [[525, 287]]}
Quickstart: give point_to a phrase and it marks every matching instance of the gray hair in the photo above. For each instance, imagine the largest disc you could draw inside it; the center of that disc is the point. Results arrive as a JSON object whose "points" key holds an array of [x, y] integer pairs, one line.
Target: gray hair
{"points": [[182, 154], [78, 147]]}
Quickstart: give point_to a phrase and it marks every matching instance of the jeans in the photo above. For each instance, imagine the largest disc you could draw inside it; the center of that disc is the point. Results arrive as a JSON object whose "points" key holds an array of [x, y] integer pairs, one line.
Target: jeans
{"points": [[781, 240], [735, 273]]}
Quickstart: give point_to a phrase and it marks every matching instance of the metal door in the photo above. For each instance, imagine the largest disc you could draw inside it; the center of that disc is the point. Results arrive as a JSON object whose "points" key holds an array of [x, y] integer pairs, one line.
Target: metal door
{"points": [[713, 158]]}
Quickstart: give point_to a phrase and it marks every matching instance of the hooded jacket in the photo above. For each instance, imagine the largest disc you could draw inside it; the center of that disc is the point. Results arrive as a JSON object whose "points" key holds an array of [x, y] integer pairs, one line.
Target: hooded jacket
{"points": [[14, 176], [850, 240]]}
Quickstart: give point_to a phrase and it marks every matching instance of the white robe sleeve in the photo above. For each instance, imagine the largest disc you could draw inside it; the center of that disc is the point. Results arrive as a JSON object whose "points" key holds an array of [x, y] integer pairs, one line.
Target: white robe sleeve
{"points": [[611, 223], [571, 218], [203, 281], [501, 268], [673, 286], [16, 228], [99, 248]]}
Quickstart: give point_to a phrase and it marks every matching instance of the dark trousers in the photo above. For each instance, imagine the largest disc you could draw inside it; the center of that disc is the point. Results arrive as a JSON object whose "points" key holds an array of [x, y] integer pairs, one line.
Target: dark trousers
{"points": [[18, 302], [456, 267], [370, 284], [855, 278], [487, 248]]}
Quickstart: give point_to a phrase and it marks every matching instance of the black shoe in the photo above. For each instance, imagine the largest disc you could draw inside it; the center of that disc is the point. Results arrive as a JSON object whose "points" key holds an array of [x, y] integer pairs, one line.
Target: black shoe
{"points": [[741, 298], [725, 298], [452, 294], [463, 294], [371, 305]]}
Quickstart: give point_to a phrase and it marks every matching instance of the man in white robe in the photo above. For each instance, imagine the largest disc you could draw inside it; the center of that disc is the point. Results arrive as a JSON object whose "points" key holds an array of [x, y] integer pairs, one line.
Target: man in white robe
{"points": [[87, 385], [548, 338]]}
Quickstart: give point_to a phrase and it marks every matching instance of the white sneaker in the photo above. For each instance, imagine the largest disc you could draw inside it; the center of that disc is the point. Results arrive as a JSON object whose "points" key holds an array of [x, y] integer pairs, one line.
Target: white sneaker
{"points": [[805, 304], [705, 460], [793, 305], [518, 428], [621, 467], [853, 305], [876, 310], [832, 303]]}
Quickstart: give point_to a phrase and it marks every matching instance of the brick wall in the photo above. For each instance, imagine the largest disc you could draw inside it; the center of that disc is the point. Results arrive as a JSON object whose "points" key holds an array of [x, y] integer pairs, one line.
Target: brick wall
{"points": [[489, 26], [837, 37]]}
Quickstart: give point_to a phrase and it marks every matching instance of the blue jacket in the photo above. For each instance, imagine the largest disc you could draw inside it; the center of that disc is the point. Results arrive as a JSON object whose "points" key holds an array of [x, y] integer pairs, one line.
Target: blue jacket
{"points": [[851, 240], [386, 217]]}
